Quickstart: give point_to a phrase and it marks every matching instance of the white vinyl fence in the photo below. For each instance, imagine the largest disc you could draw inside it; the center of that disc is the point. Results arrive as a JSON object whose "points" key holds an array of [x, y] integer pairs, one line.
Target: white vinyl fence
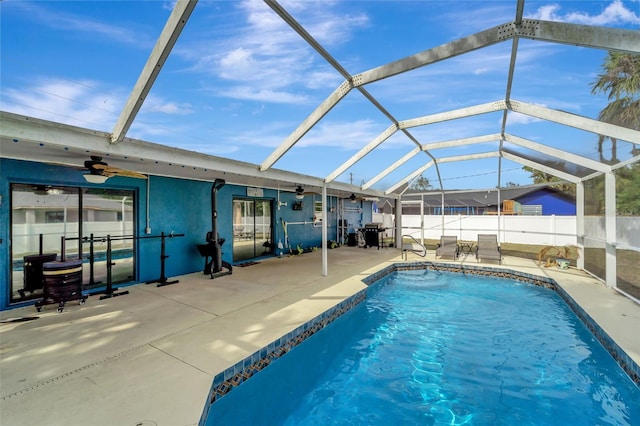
{"points": [[539, 230], [542, 230]]}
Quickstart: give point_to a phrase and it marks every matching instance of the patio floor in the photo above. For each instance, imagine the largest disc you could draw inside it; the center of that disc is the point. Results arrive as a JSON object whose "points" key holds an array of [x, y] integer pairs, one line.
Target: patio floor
{"points": [[149, 357]]}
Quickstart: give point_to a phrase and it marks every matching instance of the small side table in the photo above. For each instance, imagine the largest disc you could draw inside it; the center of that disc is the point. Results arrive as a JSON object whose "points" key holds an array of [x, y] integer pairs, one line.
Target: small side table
{"points": [[466, 247]]}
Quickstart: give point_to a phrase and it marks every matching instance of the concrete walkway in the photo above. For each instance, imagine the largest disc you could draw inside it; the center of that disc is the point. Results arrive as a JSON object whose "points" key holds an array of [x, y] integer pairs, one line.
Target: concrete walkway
{"points": [[149, 357]]}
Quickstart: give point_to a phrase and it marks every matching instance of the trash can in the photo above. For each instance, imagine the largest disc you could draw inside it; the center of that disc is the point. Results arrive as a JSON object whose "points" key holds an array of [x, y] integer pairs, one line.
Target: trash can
{"points": [[352, 242], [62, 283], [32, 271]]}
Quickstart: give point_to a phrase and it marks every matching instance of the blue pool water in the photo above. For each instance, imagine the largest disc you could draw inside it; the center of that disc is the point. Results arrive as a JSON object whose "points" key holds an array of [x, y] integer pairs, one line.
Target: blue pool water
{"points": [[442, 348]]}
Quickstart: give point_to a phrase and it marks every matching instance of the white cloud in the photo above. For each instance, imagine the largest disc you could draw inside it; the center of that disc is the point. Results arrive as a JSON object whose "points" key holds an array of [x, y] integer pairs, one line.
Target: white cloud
{"points": [[519, 118], [469, 20], [83, 26], [320, 79], [153, 104], [342, 135], [267, 59], [262, 95], [345, 135], [79, 103], [615, 13]]}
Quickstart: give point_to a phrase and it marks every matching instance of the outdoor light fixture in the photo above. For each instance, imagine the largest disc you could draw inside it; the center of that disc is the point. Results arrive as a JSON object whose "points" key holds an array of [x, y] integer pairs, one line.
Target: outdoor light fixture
{"points": [[95, 178], [299, 193], [353, 198]]}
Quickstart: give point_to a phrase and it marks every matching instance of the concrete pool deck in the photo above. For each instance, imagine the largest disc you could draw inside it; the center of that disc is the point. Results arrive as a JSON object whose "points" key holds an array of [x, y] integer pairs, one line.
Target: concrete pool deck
{"points": [[149, 357]]}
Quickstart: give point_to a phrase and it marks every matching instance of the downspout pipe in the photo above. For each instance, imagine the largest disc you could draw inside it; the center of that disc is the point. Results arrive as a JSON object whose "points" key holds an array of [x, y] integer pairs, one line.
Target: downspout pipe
{"points": [[217, 185], [213, 238]]}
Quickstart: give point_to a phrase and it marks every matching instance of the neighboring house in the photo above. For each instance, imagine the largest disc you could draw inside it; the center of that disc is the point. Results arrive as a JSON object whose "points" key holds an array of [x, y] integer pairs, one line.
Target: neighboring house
{"points": [[534, 200]]}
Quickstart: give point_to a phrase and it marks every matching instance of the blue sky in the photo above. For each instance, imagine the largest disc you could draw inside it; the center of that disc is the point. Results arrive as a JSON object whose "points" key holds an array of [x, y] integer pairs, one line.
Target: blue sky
{"points": [[239, 80]]}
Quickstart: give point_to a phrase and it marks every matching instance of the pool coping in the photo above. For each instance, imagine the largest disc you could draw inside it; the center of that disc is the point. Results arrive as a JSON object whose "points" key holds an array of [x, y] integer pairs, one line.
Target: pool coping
{"points": [[232, 377]]}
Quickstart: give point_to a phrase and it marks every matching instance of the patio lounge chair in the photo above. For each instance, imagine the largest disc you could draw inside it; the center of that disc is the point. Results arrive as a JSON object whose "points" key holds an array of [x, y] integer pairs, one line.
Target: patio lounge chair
{"points": [[488, 248], [448, 247]]}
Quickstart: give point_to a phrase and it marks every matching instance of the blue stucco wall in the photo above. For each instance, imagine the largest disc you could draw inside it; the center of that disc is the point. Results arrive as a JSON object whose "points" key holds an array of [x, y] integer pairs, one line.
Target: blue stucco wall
{"points": [[552, 203], [175, 205]]}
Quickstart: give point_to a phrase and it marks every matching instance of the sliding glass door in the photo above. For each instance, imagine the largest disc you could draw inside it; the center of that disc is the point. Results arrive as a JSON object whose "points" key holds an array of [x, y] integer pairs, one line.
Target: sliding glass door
{"points": [[252, 228], [49, 222]]}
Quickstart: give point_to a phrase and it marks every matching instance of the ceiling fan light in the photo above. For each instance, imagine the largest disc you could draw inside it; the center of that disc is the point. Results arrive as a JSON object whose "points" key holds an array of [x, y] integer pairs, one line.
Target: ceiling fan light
{"points": [[93, 178], [299, 192], [299, 196], [353, 198]]}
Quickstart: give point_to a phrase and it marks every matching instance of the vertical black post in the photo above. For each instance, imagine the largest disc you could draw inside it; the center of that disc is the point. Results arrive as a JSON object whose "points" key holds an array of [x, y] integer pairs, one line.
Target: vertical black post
{"points": [[110, 291], [216, 257], [109, 264], [162, 281], [91, 262], [163, 256], [41, 243], [62, 249]]}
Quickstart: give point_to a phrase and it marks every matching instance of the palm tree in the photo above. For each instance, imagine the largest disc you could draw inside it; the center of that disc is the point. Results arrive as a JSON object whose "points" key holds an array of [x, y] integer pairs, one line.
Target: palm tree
{"points": [[620, 80]]}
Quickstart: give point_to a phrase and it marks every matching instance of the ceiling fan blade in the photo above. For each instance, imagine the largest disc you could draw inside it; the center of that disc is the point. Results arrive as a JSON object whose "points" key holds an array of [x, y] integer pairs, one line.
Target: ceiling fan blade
{"points": [[131, 174], [115, 171]]}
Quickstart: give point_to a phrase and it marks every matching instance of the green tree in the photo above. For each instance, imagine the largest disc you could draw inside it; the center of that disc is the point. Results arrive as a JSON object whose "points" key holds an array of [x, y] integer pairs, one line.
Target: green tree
{"points": [[541, 177], [620, 81], [628, 190], [421, 184]]}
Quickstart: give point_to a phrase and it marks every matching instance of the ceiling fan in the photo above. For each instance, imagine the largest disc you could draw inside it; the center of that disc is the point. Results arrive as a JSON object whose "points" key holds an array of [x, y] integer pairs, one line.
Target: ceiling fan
{"points": [[99, 171], [46, 190], [353, 198], [301, 192]]}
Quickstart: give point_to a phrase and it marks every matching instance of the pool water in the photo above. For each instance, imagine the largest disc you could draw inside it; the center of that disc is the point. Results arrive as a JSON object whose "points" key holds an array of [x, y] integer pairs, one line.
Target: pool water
{"points": [[430, 347]]}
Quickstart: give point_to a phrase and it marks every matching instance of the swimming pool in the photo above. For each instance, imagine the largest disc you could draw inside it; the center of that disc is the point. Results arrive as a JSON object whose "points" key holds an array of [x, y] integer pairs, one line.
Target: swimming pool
{"points": [[429, 347]]}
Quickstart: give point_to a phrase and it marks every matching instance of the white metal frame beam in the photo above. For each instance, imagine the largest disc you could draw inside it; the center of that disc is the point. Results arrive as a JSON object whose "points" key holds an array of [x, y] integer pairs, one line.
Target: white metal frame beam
{"points": [[294, 138], [461, 142], [558, 153], [421, 170], [458, 47], [467, 157], [322, 110], [580, 35], [172, 29], [430, 146], [576, 121], [413, 175], [364, 151], [557, 32], [391, 168], [546, 169], [454, 114], [509, 156]]}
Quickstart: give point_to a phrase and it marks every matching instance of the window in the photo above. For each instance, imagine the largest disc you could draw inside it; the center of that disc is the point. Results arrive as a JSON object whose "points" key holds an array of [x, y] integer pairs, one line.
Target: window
{"points": [[318, 214], [54, 217]]}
